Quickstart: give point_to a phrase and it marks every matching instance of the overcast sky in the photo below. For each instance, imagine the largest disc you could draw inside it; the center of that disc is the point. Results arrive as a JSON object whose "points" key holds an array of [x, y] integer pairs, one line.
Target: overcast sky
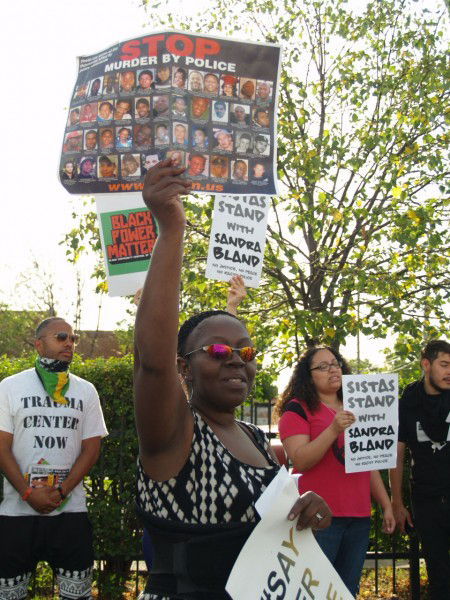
{"points": [[39, 45]]}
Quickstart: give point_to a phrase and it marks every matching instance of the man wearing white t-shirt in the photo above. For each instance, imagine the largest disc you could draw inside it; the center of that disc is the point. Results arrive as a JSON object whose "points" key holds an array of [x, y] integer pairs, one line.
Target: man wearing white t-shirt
{"points": [[51, 424]]}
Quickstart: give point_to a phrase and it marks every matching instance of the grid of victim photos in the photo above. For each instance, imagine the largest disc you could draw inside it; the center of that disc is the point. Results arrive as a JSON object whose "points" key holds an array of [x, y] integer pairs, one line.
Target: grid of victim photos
{"points": [[217, 125]]}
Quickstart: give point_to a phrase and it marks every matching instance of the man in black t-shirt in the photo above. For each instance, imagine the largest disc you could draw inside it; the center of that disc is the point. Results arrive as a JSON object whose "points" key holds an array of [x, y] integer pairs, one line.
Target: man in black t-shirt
{"points": [[424, 417]]}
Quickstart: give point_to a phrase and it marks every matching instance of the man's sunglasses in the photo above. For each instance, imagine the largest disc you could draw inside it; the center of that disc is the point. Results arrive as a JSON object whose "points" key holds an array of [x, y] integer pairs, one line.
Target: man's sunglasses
{"points": [[221, 351], [62, 337]]}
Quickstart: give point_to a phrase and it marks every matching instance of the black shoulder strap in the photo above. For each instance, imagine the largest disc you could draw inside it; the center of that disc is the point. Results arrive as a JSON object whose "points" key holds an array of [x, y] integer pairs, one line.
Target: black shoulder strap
{"points": [[296, 408], [254, 433]]}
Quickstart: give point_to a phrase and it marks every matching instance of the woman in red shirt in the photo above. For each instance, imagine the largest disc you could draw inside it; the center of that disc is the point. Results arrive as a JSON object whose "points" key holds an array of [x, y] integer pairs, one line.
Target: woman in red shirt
{"points": [[311, 427]]}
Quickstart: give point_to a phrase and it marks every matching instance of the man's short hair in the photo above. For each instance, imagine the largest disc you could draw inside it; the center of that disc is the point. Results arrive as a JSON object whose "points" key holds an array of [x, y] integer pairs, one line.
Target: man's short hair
{"points": [[432, 349], [191, 156], [143, 101], [146, 72], [105, 160], [245, 136], [43, 324], [260, 138], [258, 111]]}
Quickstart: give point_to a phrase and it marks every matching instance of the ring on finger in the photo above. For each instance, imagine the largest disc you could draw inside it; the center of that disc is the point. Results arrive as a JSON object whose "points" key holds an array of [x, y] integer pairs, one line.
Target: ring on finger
{"points": [[319, 516]]}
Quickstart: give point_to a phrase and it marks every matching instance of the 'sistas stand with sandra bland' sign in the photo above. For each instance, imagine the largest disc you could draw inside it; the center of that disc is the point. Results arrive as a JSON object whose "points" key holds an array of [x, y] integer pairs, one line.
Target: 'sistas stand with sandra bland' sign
{"points": [[238, 238], [371, 442]]}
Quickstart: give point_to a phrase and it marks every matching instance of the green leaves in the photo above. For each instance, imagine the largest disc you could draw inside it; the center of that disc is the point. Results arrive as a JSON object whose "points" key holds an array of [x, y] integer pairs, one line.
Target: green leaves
{"points": [[110, 486], [17, 331]]}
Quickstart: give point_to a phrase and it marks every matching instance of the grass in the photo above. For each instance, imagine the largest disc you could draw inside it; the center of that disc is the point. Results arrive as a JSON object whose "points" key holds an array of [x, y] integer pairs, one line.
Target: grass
{"points": [[367, 587], [368, 591]]}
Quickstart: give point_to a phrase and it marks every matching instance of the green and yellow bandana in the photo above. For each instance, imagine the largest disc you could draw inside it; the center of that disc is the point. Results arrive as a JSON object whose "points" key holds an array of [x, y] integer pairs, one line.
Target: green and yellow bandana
{"points": [[54, 376]]}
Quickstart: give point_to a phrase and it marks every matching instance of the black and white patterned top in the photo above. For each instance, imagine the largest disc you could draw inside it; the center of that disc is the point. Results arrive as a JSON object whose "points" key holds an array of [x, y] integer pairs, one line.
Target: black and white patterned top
{"points": [[212, 487]]}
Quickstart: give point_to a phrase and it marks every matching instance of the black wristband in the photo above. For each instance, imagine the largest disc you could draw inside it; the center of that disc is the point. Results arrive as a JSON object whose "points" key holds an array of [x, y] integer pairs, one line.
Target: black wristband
{"points": [[63, 497]]}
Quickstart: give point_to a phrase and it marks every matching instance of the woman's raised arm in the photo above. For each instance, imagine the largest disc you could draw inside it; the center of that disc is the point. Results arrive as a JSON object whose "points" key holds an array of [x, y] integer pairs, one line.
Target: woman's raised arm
{"points": [[160, 404]]}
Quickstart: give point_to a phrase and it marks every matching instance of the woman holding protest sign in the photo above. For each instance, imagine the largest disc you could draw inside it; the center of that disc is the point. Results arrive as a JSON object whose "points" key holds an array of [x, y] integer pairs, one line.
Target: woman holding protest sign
{"points": [[311, 427], [200, 471]]}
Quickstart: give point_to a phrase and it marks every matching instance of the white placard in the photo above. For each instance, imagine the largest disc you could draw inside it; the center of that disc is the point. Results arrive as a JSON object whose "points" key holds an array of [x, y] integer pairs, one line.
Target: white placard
{"points": [[238, 238], [371, 442], [278, 561], [125, 267]]}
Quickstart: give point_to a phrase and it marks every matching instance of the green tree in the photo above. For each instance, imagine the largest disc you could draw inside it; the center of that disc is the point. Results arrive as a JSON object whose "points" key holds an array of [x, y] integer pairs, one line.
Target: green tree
{"points": [[17, 330], [404, 358], [363, 366], [358, 238], [48, 298]]}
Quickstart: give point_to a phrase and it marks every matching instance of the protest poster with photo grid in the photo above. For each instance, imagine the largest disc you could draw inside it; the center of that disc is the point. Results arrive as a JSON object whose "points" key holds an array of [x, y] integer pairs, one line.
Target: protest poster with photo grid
{"points": [[208, 103]]}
